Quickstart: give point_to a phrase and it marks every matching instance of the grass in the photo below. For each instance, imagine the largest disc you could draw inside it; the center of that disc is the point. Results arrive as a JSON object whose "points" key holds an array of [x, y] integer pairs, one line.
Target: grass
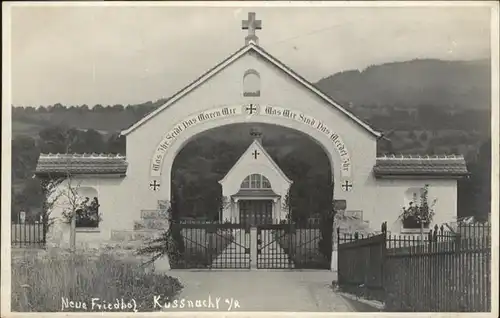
{"points": [[303, 247], [40, 282], [201, 247]]}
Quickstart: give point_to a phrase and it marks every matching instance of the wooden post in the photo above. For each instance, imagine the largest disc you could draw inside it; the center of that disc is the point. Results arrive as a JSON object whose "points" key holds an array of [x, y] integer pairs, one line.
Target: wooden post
{"points": [[72, 234], [421, 232], [72, 243]]}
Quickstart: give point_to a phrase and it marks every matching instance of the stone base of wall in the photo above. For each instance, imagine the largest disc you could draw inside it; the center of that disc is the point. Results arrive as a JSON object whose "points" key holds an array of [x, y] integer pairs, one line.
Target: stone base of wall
{"points": [[133, 235], [121, 243]]}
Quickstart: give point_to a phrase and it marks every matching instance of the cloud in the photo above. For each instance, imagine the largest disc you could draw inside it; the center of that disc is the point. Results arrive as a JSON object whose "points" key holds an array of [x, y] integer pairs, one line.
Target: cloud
{"points": [[109, 55]]}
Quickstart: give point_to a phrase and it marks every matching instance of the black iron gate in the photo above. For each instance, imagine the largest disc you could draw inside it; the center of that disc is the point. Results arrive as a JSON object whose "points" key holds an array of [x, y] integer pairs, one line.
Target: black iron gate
{"points": [[270, 252], [289, 245], [211, 245]]}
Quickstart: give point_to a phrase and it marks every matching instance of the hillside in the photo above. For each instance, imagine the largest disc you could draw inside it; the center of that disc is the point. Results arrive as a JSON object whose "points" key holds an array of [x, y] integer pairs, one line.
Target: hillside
{"points": [[425, 106], [464, 84], [404, 85]]}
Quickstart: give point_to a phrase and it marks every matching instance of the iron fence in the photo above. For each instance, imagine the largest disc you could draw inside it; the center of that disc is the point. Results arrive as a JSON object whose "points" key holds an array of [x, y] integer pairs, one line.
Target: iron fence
{"points": [[442, 271], [28, 235]]}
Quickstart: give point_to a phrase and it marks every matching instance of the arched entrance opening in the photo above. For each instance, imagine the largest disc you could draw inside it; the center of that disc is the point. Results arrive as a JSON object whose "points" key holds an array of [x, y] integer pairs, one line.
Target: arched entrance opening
{"points": [[207, 157], [217, 178]]}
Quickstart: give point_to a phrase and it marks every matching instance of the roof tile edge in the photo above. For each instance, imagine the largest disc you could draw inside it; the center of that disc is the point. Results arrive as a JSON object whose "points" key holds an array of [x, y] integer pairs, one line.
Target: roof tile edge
{"points": [[84, 155], [419, 157]]}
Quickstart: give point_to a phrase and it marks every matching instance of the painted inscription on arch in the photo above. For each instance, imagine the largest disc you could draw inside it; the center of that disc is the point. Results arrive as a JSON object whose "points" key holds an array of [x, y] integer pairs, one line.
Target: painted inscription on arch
{"points": [[318, 125], [178, 129], [263, 110]]}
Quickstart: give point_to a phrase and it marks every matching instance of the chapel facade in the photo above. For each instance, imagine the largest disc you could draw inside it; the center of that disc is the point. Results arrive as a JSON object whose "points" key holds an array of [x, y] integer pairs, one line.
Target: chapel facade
{"points": [[255, 188]]}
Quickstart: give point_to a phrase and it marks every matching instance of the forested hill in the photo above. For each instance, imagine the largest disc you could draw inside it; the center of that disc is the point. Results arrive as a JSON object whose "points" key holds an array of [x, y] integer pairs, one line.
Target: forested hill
{"points": [[426, 107], [464, 84]]}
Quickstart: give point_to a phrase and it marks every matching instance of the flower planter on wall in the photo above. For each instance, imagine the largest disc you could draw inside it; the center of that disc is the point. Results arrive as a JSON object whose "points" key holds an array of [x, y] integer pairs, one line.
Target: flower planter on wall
{"points": [[411, 222]]}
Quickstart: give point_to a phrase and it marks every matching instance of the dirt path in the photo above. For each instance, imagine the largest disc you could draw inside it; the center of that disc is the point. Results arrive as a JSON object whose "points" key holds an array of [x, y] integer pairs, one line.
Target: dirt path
{"points": [[257, 290]]}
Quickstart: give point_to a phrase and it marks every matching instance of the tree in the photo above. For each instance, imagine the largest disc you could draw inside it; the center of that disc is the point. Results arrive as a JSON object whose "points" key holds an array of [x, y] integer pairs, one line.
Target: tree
{"points": [[225, 158], [326, 227], [76, 205], [93, 142], [89, 215], [385, 146], [432, 117], [33, 194], [48, 187], [116, 144], [453, 151], [431, 150], [65, 139], [286, 206], [171, 241], [83, 109], [16, 111], [24, 157], [474, 198], [423, 136], [225, 203], [53, 139], [411, 135], [58, 107], [97, 108], [18, 201], [14, 209], [419, 214], [117, 108]]}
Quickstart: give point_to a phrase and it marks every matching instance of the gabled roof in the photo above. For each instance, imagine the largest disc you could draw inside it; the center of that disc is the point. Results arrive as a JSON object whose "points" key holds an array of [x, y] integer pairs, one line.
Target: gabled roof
{"points": [[78, 164], [408, 165], [263, 152], [251, 46]]}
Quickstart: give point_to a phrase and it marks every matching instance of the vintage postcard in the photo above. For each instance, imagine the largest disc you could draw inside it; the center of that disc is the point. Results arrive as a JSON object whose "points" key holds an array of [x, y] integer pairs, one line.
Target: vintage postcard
{"points": [[243, 158]]}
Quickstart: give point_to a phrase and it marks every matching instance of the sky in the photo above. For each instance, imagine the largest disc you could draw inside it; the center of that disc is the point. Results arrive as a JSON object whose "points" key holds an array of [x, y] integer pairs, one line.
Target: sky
{"points": [[77, 55]]}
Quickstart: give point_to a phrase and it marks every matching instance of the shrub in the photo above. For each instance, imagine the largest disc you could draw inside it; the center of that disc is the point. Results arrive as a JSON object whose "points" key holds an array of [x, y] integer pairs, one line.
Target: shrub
{"points": [[40, 283]]}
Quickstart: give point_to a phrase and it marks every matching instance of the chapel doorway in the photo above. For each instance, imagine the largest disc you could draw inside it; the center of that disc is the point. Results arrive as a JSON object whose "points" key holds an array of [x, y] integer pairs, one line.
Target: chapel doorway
{"points": [[255, 212]]}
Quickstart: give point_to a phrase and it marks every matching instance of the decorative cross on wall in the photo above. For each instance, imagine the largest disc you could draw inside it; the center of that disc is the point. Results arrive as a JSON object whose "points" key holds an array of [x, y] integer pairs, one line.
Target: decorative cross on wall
{"points": [[347, 186], [251, 25], [255, 154], [155, 186], [251, 109]]}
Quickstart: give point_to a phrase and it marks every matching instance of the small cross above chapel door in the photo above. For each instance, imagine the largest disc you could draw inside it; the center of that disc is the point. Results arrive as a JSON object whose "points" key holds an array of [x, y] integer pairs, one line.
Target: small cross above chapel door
{"points": [[255, 154]]}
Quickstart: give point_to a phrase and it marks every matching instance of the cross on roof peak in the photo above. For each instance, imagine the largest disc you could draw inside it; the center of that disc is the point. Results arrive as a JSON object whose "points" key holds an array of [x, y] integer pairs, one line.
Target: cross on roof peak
{"points": [[251, 25]]}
